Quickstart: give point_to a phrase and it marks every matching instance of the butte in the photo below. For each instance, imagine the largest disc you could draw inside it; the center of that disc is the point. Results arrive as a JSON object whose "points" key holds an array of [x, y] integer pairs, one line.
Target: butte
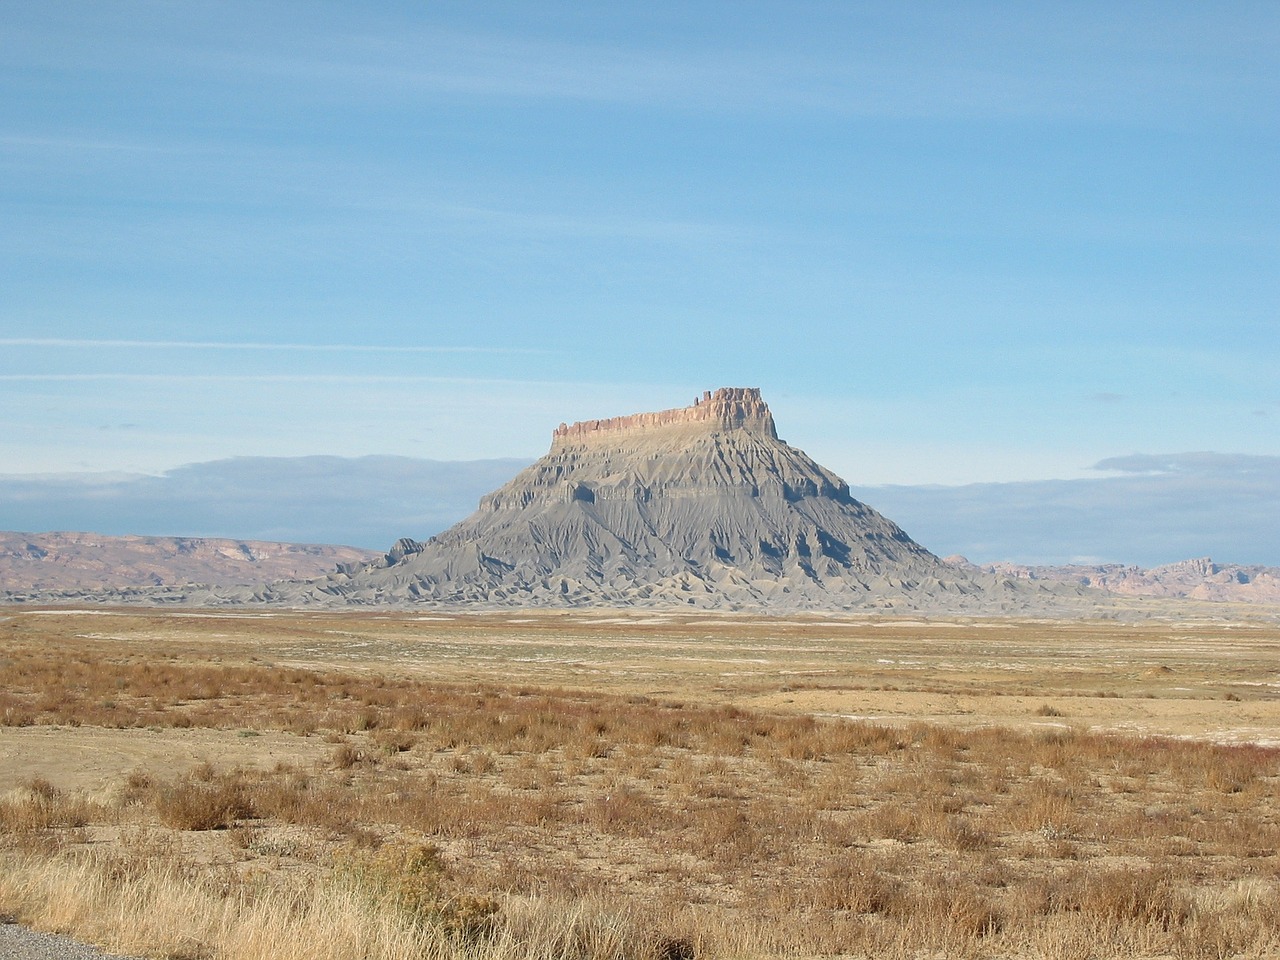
{"points": [[701, 506]]}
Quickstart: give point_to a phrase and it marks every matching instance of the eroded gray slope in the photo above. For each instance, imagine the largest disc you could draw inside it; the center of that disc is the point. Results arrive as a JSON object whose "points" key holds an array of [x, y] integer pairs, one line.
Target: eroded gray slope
{"points": [[702, 505]]}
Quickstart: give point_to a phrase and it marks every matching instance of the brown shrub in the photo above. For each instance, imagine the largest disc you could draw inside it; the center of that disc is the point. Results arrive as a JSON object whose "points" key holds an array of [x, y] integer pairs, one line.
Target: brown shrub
{"points": [[1145, 894], [345, 756], [194, 805], [412, 878], [856, 885], [40, 806], [952, 906]]}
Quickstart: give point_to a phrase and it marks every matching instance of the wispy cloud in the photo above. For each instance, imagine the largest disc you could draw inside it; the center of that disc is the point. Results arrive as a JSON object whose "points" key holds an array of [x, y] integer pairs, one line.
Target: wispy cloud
{"points": [[940, 65], [1220, 465], [272, 378], [78, 145], [866, 58], [217, 345], [601, 226]]}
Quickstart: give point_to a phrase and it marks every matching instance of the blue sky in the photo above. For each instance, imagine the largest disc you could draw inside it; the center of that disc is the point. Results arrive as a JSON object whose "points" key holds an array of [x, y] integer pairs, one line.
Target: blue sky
{"points": [[953, 242]]}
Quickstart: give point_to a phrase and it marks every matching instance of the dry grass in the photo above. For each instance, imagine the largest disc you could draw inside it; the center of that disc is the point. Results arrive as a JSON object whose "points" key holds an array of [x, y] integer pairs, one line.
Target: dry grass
{"points": [[478, 819], [160, 910]]}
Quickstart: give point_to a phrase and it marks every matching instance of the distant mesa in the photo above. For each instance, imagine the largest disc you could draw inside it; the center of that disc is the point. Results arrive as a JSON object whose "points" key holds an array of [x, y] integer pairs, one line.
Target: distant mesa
{"points": [[53, 566], [700, 506], [1196, 579]]}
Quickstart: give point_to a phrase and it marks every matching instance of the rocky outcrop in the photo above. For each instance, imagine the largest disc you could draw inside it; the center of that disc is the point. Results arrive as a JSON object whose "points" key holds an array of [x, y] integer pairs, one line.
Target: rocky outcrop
{"points": [[729, 408], [404, 547]]}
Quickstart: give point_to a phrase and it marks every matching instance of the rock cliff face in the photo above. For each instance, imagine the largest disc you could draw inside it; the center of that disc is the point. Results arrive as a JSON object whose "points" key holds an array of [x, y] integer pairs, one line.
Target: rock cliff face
{"points": [[727, 409], [700, 506]]}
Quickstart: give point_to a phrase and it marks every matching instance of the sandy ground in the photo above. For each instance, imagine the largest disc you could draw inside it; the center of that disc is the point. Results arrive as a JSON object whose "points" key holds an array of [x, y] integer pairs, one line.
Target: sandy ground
{"points": [[94, 758], [1178, 717], [1213, 676]]}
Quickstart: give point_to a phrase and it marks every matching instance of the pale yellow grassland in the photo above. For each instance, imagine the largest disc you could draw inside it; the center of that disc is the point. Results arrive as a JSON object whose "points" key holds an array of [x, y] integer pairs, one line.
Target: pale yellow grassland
{"points": [[618, 785]]}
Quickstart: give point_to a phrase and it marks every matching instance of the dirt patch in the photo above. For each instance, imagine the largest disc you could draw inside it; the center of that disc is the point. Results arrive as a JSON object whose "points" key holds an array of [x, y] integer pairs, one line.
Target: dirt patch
{"points": [[91, 758]]}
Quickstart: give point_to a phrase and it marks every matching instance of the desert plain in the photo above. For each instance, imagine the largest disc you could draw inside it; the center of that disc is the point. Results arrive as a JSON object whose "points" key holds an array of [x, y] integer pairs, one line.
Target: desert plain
{"points": [[618, 784]]}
